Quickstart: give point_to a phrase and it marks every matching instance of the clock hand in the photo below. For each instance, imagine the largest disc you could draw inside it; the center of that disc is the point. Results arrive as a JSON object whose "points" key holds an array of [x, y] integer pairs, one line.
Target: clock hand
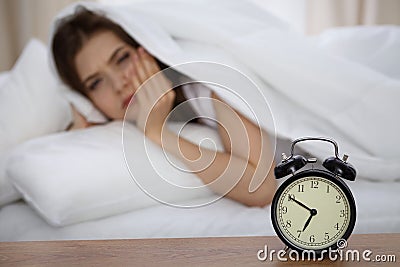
{"points": [[301, 204], [307, 222], [313, 212]]}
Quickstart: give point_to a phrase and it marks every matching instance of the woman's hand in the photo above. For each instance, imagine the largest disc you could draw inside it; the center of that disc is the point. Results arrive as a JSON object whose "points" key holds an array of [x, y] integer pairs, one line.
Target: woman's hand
{"points": [[154, 97]]}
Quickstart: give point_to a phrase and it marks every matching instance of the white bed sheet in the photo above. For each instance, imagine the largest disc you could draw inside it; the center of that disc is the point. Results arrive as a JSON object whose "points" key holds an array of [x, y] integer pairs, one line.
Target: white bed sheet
{"points": [[377, 203]]}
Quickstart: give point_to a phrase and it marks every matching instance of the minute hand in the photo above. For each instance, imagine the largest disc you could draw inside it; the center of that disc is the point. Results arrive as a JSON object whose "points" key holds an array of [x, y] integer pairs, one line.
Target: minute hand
{"points": [[301, 204]]}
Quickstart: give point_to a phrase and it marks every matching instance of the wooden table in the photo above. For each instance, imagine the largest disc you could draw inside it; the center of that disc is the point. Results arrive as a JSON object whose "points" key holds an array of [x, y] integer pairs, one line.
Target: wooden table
{"points": [[218, 251]]}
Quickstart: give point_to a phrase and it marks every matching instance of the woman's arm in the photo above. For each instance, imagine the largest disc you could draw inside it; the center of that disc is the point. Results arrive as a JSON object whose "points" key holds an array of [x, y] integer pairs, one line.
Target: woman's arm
{"points": [[244, 139], [247, 157]]}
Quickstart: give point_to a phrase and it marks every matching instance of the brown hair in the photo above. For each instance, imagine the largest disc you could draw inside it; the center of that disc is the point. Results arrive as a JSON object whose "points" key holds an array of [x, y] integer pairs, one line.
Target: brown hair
{"points": [[71, 35]]}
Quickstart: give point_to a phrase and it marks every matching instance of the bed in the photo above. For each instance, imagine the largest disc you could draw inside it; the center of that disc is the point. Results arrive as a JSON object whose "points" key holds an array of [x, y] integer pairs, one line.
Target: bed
{"points": [[377, 204], [26, 215], [21, 220]]}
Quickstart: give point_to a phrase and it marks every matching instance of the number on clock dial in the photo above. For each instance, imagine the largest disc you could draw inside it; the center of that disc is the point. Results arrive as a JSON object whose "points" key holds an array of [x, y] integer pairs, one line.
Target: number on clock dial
{"points": [[331, 207]]}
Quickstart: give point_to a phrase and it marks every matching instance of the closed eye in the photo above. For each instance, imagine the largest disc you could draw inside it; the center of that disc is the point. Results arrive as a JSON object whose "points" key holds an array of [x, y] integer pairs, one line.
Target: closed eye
{"points": [[123, 57], [93, 85]]}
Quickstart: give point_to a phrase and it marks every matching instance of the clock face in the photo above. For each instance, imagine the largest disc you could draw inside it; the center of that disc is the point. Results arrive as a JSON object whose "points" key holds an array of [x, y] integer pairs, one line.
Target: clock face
{"points": [[313, 212]]}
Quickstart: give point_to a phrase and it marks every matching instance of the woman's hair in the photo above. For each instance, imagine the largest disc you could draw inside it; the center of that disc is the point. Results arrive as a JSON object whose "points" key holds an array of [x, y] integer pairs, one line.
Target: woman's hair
{"points": [[71, 35]]}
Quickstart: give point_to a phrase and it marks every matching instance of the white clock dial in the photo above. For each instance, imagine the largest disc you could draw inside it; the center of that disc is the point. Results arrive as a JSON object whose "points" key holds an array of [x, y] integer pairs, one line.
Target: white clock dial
{"points": [[313, 213]]}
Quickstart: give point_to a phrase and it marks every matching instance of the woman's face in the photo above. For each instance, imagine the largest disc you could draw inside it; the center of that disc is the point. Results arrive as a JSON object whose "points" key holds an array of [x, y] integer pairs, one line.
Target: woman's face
{"points": [[105, 67]]}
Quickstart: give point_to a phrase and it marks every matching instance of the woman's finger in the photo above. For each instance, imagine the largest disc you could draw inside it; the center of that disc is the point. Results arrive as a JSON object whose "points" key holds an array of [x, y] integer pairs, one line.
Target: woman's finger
{"points": [[158, 82], [149, 63], [136, 86], [140, 69], [153, 85], [145, 85]]}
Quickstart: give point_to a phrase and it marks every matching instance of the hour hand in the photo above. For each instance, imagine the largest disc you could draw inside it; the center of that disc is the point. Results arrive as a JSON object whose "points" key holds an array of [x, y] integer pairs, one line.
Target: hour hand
{"points": [[307, 222], [313, 212]]}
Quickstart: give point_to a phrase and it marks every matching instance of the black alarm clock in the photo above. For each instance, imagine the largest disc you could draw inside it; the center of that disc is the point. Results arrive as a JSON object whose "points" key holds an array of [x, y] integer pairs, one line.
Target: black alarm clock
{"points": [[314, 208]]}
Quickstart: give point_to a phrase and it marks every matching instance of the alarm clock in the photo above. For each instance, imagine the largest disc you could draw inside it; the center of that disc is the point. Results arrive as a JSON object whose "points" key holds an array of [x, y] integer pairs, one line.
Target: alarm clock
{"points": [[314, 208]]}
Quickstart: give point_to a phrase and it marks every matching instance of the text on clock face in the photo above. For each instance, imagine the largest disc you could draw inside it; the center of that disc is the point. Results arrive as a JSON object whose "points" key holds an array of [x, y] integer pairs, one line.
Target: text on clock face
{"points": [[313, 212]]}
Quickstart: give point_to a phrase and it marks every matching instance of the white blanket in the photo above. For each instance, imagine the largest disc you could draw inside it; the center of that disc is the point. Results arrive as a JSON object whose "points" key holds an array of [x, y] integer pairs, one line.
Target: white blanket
{"points": [[309, 92]]}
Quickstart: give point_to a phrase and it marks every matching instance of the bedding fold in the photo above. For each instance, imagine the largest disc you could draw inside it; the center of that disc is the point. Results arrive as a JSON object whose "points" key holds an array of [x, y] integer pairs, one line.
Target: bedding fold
{"points": [[308, 91]]}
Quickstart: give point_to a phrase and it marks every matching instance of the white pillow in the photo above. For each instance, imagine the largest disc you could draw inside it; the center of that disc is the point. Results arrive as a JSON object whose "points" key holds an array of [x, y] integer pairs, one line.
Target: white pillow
{"points": [[7, 191], [30, 103], [3, 77], [30, 106], [80, 175]]}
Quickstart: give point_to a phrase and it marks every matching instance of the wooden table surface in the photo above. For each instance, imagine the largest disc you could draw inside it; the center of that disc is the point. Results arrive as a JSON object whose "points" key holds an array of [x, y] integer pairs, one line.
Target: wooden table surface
{"points": [[216, 251]]}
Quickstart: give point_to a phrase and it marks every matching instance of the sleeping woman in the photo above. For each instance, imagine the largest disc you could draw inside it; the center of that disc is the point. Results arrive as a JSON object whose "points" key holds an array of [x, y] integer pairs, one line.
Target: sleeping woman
{"points": [[96, 57]]}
